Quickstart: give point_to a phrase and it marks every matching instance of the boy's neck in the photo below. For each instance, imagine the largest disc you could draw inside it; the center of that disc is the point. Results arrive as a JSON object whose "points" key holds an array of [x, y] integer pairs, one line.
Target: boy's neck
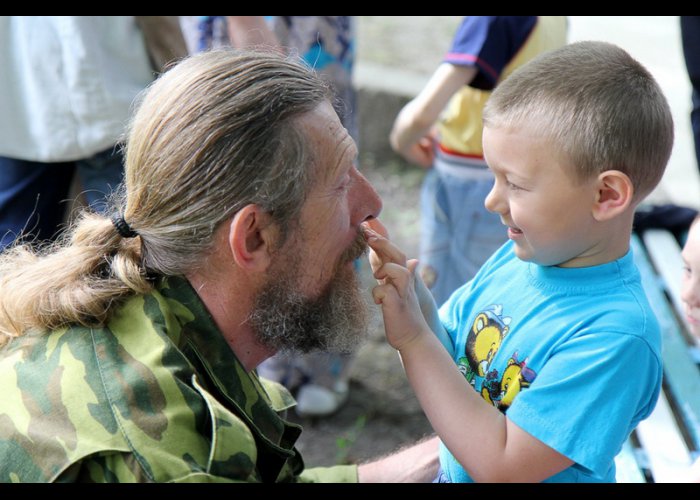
{"points": [[610, 243]]}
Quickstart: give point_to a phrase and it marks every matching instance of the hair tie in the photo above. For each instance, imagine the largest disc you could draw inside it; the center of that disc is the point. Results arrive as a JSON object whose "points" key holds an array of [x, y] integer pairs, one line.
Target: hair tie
{"points": [[122, 227]]}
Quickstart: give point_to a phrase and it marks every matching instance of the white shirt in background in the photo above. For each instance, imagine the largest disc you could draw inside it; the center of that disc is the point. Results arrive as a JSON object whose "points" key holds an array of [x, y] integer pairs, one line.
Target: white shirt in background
{"points": [[67, 84]]}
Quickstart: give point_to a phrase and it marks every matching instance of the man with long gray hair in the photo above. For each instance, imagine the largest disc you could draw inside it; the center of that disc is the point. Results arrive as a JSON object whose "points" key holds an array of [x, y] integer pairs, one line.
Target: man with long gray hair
{"points": [[130, 347]]}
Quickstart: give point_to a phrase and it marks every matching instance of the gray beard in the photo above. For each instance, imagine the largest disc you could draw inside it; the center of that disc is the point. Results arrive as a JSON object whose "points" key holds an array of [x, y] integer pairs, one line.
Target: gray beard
{"points": [[336, 320]]}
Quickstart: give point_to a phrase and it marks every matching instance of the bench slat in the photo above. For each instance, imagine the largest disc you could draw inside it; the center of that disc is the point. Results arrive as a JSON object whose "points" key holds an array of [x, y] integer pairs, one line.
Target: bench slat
{"points": [[663, 443], [665, 253], [626, 468]]}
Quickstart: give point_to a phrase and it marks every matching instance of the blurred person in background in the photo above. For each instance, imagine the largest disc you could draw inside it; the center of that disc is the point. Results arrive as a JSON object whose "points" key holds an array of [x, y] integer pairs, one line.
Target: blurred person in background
{"points": [[440, 129], [66, 90]]}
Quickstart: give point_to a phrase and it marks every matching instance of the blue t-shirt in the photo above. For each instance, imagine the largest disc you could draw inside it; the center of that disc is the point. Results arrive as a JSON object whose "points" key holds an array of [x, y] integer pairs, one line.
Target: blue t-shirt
{"points": [[571, 355], [489, 43]]}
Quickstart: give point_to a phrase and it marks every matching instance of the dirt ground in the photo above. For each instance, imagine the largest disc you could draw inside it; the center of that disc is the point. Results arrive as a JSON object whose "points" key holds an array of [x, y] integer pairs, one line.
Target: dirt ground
{"points": [[382, 413]]}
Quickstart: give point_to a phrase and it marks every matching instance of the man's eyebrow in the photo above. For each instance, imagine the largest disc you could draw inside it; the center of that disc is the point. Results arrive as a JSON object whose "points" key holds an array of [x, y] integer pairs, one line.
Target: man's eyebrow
{"points": [[355, 157], [349, 148]]}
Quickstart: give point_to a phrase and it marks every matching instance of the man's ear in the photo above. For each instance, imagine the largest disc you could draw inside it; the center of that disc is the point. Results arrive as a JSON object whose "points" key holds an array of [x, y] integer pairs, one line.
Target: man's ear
{"points": [[252, 237], [614, 195]]}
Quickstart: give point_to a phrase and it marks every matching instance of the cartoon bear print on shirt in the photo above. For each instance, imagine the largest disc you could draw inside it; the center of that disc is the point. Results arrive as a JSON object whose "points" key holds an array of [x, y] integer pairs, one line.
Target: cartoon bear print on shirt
{"points": [[516, 377], [484, 340]]}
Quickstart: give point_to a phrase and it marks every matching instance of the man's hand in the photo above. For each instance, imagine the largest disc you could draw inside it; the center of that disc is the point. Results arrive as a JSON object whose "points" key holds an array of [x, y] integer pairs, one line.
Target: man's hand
{"points": [[415, 464]]}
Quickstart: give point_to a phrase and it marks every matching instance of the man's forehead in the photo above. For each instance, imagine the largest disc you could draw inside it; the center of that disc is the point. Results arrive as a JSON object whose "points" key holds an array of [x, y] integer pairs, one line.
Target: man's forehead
{"points": [[328, 138], [321, 118]]}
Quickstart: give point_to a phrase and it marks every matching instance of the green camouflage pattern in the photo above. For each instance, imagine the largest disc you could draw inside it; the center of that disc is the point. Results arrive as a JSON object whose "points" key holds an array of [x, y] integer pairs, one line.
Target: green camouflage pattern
{"points": [[155, 396]]}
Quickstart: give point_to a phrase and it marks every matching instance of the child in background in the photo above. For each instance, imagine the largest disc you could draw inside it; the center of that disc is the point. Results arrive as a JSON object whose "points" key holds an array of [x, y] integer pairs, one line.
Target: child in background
{"points": [[556, 346], [690, 293], [690, 290], [457, 233]]}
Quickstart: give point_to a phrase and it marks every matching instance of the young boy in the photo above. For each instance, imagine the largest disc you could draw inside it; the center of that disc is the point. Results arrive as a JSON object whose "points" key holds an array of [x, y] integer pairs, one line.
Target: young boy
{"points": [[557, 349]]}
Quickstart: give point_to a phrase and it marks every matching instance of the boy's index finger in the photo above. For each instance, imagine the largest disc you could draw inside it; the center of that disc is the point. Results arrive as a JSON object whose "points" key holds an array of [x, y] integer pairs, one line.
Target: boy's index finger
{"points": [[375, 225], [385, 249]]}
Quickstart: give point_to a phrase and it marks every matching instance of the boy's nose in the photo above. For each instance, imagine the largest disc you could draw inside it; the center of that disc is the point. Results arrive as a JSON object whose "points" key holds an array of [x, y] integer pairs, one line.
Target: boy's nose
{"points": [[493, 201]]}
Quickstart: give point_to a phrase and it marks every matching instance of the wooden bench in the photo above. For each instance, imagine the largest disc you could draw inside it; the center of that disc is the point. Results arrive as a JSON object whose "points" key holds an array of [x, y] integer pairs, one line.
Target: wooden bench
{"points": [[664, 445]]}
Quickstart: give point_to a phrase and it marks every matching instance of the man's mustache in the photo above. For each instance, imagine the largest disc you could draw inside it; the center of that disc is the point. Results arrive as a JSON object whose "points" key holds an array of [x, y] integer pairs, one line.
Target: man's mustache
{"points": [[357, 249]]}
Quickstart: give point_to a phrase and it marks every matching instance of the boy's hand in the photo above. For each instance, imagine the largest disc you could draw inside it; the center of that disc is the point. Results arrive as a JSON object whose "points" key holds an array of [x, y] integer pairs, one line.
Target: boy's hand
{"points": [[403, 319], [386, 251]]}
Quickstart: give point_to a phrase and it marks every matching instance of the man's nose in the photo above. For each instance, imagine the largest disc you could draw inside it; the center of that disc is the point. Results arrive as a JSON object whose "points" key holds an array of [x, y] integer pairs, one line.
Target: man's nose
{"points": [[368, 202]]}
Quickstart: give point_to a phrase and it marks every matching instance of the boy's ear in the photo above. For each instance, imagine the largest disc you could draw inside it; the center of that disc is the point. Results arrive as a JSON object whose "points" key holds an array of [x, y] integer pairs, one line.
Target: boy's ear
{"points": [[252, 236], [614, 195]]}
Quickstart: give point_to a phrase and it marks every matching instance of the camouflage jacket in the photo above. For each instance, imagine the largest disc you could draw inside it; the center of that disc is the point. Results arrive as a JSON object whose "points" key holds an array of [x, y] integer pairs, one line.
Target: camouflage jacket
{"points": [[157, 395]]}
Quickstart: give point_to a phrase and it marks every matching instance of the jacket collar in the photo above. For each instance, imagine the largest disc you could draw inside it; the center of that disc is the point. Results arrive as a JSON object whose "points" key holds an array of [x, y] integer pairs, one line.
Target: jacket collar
{"points": [[255, 402]]}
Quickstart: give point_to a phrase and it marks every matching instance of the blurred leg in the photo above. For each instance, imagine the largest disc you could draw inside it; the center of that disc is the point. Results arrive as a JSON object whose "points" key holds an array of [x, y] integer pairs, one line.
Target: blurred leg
{"points": [[434, 236], [690, 35], [32, 199], [327, 383], [100, 175], [458, 234], [476, 232]]}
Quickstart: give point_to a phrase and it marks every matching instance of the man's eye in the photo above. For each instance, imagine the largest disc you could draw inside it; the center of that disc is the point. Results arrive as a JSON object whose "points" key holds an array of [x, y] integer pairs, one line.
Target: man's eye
{"points": [[345, 183]]}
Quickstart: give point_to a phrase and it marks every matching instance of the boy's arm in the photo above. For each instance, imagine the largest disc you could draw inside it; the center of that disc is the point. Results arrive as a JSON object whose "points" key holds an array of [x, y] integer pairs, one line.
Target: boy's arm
{"points": [[410, 135], [432, 318], [487, 444]]}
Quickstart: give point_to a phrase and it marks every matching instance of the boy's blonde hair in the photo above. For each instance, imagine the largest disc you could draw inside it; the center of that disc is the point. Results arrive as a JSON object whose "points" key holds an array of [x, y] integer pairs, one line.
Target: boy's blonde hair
{"points": [[600, 107]]}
